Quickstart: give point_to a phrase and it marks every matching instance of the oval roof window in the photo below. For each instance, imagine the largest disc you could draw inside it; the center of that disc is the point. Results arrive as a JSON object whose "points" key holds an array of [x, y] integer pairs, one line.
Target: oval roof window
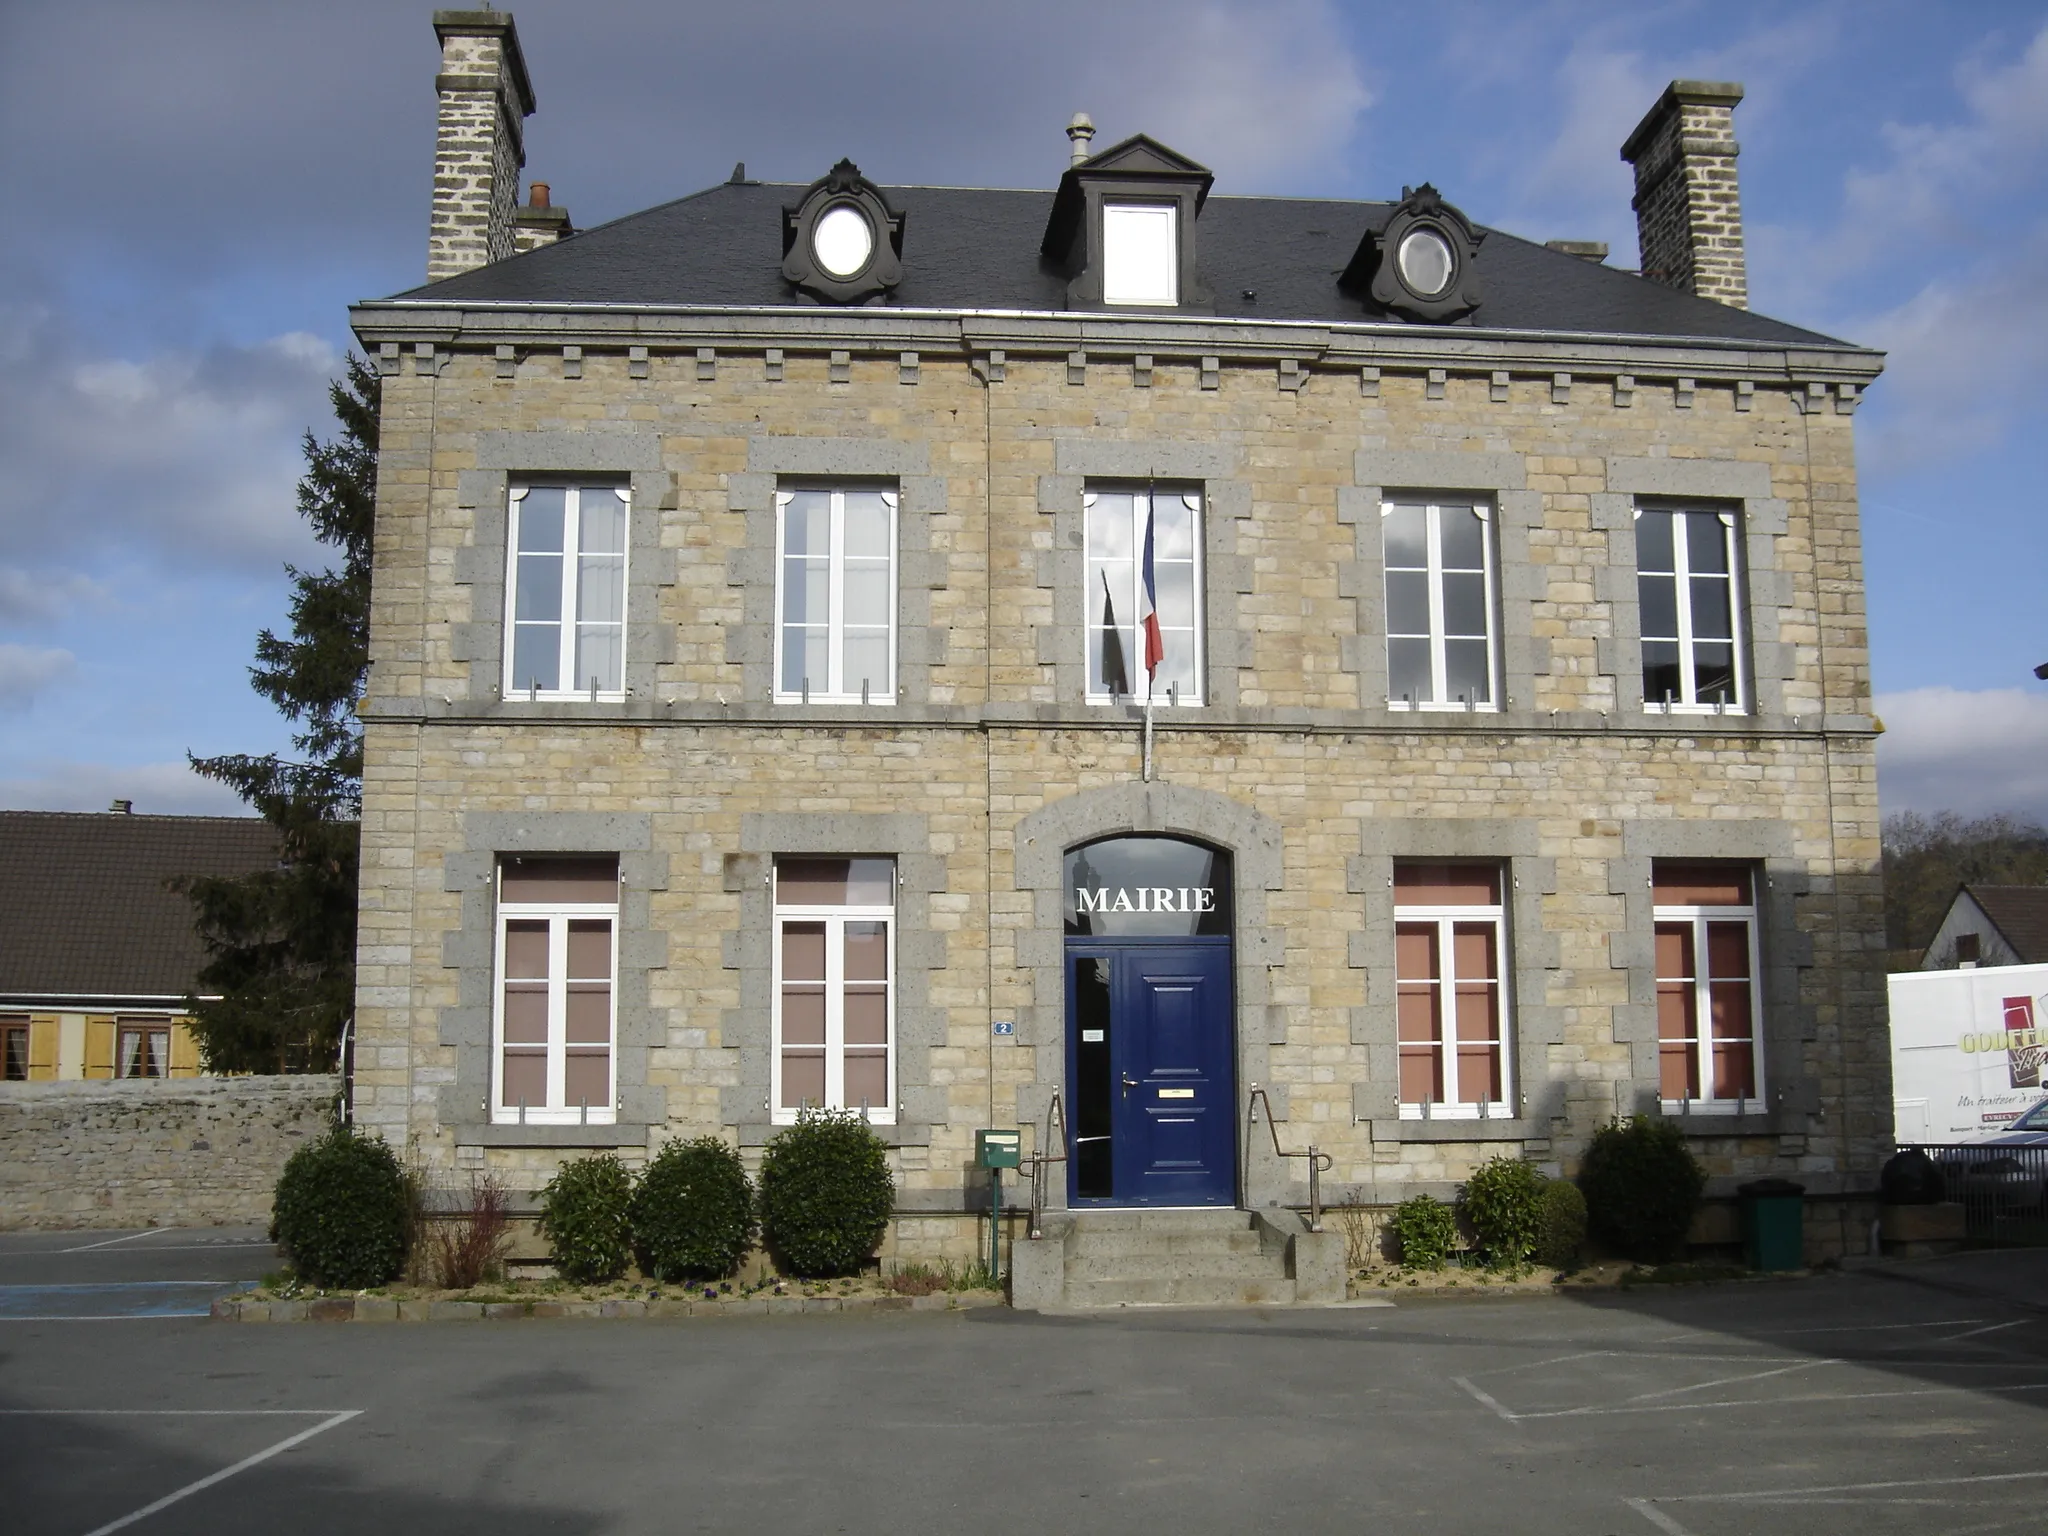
{"points": [[843, 240], [1426, 262]]}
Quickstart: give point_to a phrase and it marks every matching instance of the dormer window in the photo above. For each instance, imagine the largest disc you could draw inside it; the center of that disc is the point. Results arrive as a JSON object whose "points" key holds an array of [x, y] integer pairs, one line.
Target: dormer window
{"points": [[1140, 256], [843, 243], [1423, 265]]}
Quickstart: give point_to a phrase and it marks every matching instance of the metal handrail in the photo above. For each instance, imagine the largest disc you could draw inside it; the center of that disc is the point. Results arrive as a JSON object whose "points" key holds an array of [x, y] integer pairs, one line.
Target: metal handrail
{"points": [[1041, 1159], [1318, 1161]]}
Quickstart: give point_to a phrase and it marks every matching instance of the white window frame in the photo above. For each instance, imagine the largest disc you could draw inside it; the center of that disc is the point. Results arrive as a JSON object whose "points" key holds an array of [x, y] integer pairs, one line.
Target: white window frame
{"points": [[557, 915], [1434, 575], [1447, 919], [1137, 269], [567, 624], [1687, 701], [835, 919], [1703, 1018], [1127, 602], [835, 690]]}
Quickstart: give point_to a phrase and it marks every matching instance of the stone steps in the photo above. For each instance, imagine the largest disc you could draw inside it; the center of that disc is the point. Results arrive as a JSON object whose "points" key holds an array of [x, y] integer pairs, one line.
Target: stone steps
{"points": [[1188, 1258]]}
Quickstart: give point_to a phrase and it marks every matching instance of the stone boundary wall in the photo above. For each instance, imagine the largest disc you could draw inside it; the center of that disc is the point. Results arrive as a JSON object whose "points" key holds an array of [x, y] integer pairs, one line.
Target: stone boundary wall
{"points": [[152, 1153]]}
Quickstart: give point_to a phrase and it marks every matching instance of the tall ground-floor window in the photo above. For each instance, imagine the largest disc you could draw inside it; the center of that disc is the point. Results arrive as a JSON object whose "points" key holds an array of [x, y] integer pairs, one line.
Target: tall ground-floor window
{"points": [[558, 921], [1451, 1004], [1707, 969], [835, 1006]]}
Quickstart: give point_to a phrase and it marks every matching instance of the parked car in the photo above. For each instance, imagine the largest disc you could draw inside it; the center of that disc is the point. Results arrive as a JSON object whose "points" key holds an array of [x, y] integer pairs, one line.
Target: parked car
{"points": [[2008, 1167]]}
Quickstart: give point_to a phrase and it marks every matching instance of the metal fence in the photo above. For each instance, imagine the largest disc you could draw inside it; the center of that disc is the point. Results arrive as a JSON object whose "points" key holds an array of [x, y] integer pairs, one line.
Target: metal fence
{"points": [[2003, 1191]]}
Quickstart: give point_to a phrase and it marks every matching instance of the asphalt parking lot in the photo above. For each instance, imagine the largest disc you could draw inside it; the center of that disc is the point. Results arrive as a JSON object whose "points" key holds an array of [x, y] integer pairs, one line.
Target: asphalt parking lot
{"points": [[1870, 1403]]}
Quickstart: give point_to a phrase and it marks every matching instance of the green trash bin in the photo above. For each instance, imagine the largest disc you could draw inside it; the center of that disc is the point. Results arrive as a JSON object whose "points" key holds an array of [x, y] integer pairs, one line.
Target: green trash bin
{"points": [[1773, 1224]]}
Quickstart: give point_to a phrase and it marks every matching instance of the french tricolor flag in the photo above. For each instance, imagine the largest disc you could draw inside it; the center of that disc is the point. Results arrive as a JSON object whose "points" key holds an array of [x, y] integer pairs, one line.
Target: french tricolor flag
{"points": [[1148, 607]]}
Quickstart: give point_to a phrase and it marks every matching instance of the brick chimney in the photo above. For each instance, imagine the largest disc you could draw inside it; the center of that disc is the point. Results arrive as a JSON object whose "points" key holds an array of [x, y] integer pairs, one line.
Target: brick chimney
{"points": [[479, 145], [1688, 206]]}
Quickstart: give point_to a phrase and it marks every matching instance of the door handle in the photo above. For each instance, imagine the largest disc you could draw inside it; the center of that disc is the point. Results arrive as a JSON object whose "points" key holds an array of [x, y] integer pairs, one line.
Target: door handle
{"points": [[1129, 1083]]}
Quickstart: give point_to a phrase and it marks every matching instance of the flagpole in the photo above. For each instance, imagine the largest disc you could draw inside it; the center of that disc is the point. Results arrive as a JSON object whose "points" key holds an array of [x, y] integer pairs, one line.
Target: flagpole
{"points": [[1148, 731]]}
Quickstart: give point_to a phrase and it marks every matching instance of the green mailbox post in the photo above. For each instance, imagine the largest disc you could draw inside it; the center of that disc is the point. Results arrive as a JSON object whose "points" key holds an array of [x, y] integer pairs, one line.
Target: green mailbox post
{"points": [[995, 1151]]}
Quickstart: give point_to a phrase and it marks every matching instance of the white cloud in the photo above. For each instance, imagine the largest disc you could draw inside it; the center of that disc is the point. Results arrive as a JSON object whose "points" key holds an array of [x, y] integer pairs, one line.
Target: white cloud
{"points": [[164, 789], [26, 670], [1949, 749], [191, 455]]}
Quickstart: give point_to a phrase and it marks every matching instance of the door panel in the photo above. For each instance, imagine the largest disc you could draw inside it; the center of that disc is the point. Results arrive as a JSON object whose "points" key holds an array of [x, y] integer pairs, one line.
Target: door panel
{"points": [[1151, 1073]]}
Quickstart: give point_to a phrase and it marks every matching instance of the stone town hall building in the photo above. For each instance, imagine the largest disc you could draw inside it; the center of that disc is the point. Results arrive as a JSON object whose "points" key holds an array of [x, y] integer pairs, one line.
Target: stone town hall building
{"points": [[773, 588]]}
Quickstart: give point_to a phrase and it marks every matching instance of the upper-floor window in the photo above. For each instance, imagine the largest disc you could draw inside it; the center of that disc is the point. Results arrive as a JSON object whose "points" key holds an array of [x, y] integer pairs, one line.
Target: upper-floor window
{"points": [[14, 1031], [1140, 254], [1688, 586], [1451, 1005], [1142, 605], [835, 631], [1707, 968], [1440, 581], [835, 1004], [557, 1018], [143, 1047], [566, 592]]}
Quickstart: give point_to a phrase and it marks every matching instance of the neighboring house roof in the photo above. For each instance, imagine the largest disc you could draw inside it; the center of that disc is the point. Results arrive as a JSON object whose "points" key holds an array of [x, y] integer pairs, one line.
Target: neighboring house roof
{"points": [[84, 908], [2019, 913], [978, 249]]}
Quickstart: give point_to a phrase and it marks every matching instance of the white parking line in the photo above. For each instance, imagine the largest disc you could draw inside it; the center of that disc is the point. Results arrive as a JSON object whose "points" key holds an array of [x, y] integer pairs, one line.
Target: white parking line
{"points": [[88, 1248], [333, 1417], [1657, 1517]]}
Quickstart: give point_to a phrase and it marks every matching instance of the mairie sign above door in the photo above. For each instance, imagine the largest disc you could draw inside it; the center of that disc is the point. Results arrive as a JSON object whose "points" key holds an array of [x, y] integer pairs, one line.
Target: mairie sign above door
{"points": [[1150, 1054]]}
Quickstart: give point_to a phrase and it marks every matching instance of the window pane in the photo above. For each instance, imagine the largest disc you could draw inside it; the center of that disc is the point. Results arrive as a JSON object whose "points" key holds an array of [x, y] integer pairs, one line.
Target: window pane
{"points": [[803, 1078], [1173, 526], [1659, 598], [1713, 674], [601, 592], [1677, 1019], [1464, 604], [1674, 951], [601, 526], [1407, 602], [1661, 680], [1729, 1004], [867, 594], [565, 879], [587, 1079], [1653, 542], [803, 659], [1405, 532], [1109, 526], [1465, 672], [1710, 616], [835, 883], [1700, 885], [1177, 669], [1706, 542], [867, 662], [590, 949], [1421, 1076], [1677, 1072], [526, 1079], [1735, 1071], [867, 1017], [803, 944], [1416, 1014], [1446, 885], [807, 524], [536, 657], [806, 590], [1461, 539], [1472, 952], [1175, 587], [1478, 1074], [1728, 951], [526, 948], [1139, 261], [803, 1014], [598, 658], [1478, 1010], [540, 589], [1415, 957], [867, 1079], [867, 951], [1408, 672], [589, 1013], [867, 526], [526, 1013], [540, 518]]}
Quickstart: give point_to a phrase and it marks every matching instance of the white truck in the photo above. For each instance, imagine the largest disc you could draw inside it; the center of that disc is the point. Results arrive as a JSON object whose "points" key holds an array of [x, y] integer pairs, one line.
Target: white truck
{"points": [[1968, 1049]]}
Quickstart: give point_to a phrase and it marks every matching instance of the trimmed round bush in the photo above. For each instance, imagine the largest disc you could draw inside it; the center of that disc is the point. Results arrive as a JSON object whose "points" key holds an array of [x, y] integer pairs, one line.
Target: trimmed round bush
{"points": [[583, 1215], [826, 1193], [1642, 1187], [341, 1212], [1560, 1224], [692, 1211], [1427, 1231], [1501, 1200]]}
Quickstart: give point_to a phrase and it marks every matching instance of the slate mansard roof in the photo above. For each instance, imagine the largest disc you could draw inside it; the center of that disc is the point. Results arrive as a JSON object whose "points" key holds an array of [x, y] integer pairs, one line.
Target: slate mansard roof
{"points": [[977, 249], [85, 911]]}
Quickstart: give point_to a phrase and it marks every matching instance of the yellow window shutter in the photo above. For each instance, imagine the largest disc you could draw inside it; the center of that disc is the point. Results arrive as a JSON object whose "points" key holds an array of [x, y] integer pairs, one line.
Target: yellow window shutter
{"points": [[184, 1051], [42, 1049], [99, 1046]]}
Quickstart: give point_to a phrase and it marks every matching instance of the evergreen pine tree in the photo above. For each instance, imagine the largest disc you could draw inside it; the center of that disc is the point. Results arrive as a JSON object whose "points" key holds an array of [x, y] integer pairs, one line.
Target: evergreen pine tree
{"points": [[282, 943]]}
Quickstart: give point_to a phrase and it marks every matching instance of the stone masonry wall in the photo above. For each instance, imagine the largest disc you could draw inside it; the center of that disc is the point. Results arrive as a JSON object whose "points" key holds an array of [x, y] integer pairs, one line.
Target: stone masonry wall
{"points": [[195, 1152]]}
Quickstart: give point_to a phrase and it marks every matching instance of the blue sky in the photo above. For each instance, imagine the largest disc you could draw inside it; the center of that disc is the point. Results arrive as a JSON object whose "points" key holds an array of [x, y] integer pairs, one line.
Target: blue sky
{"points": [[197, 191]]}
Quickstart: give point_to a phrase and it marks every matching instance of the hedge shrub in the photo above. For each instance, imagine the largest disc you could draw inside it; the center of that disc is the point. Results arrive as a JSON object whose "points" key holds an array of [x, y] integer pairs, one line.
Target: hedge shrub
{"points": [[692, 1211], [1560, 1224], [583, 1215], [341, 1212], [1427, 1231], [1642, 1187], [1501, 1201], [826, 1193]]}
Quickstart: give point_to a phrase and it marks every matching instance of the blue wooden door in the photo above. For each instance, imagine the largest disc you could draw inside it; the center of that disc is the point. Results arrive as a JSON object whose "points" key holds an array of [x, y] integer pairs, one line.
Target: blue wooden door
{"points": [[1150, 1061]]}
